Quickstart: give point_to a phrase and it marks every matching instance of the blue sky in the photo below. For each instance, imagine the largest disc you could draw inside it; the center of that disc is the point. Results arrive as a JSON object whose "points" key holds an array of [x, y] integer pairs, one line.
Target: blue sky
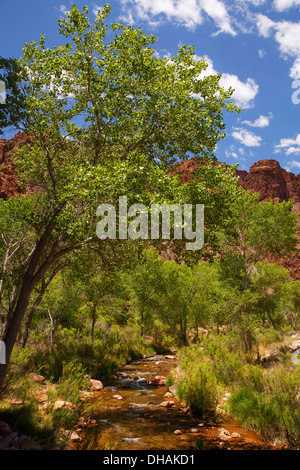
{"points": [[254, 44]]}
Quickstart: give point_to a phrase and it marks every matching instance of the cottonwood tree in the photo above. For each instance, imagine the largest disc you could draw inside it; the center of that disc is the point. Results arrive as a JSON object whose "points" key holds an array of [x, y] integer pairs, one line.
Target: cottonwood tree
{"points": [[105, 114], [259, 230], [145, 284]]}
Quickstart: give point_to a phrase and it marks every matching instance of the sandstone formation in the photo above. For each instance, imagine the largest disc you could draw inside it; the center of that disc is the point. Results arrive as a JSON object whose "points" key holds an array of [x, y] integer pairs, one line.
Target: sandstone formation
{"points": [[265, 177], [9, 184]]}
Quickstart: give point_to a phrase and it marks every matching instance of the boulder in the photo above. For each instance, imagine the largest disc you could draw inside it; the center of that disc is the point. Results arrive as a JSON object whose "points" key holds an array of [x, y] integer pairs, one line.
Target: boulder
{"points": [[294, 346], [224, 431], [62, 404], [4, 428], [158, 380], [95, 384], [224, 435], [117, 397], [167, 404], [37, 378], [72, 436], [173, 389]]}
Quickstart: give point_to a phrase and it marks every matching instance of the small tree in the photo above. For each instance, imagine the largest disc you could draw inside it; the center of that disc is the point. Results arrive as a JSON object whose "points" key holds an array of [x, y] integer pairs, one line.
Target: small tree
{"points": [[259, 230]]}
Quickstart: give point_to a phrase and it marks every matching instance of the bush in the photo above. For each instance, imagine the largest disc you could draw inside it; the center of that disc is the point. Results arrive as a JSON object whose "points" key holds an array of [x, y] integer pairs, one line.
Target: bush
{"points": [[64, 418], [198, 387], [272, 408], [228, 365], [72, 382]]}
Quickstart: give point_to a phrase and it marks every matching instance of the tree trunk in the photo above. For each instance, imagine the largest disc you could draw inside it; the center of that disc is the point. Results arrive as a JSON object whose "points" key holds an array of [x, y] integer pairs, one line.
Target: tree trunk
{"points": [[31, 278], [93, 321], [36, 270], [15, 325], [25, 334], [249, 340], [183, 332], [142, 321], [271, 320], [38, 300], [248, 336]]}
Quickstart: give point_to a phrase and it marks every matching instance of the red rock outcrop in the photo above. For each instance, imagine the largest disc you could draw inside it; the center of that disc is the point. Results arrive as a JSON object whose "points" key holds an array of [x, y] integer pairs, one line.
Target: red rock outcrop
{"points": [[9, 185], [265, 177], [271, 181]]}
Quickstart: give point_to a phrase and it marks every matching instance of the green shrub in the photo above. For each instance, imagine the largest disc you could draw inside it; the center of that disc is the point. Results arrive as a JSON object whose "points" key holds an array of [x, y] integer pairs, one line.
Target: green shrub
{"points": [[72, 381], [64, 418], [198, 388], [272, 409], [170, 380]]}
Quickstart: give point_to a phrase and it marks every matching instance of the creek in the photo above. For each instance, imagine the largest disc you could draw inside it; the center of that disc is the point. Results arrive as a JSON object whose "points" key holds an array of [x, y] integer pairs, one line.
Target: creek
{"points": [[129, 416]]}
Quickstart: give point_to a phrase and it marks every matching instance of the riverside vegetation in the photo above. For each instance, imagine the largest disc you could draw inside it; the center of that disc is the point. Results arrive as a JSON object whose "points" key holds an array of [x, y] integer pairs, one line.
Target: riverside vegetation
{"points": [[106, 118]]}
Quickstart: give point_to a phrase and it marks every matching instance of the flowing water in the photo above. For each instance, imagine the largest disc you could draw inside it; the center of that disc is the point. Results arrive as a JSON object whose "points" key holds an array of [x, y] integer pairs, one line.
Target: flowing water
{"points": [[137, 421]]}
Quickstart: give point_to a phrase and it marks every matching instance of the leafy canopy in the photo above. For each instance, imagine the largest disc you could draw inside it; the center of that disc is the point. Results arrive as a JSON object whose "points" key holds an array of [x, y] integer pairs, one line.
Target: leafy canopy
{"points": [[108, 86]]}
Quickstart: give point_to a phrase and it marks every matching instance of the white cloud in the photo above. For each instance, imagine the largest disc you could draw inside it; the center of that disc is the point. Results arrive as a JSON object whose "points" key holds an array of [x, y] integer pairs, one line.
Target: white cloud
{"points": [[184, 12], [290, 146], [262, 121], [264, 25], [295, 70], [262, 53], [96, 8], [217, 11], [190, 13], [294, 163], [256, 2], [244, 92], [288, 37], [282, 5], [63, 9], [127, 17], [288, 142], [293, 151], [247, 138], [236, 154], [286, 34]]}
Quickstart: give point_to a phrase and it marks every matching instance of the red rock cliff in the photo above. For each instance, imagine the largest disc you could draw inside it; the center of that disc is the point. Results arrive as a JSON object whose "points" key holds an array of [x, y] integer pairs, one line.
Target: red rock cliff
{"points": [[8, 179], [265, 177]]}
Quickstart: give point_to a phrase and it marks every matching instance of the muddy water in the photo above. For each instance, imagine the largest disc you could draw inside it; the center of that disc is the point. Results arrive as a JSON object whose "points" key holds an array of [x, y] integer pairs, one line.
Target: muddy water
{"points": [[139, 422]]}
